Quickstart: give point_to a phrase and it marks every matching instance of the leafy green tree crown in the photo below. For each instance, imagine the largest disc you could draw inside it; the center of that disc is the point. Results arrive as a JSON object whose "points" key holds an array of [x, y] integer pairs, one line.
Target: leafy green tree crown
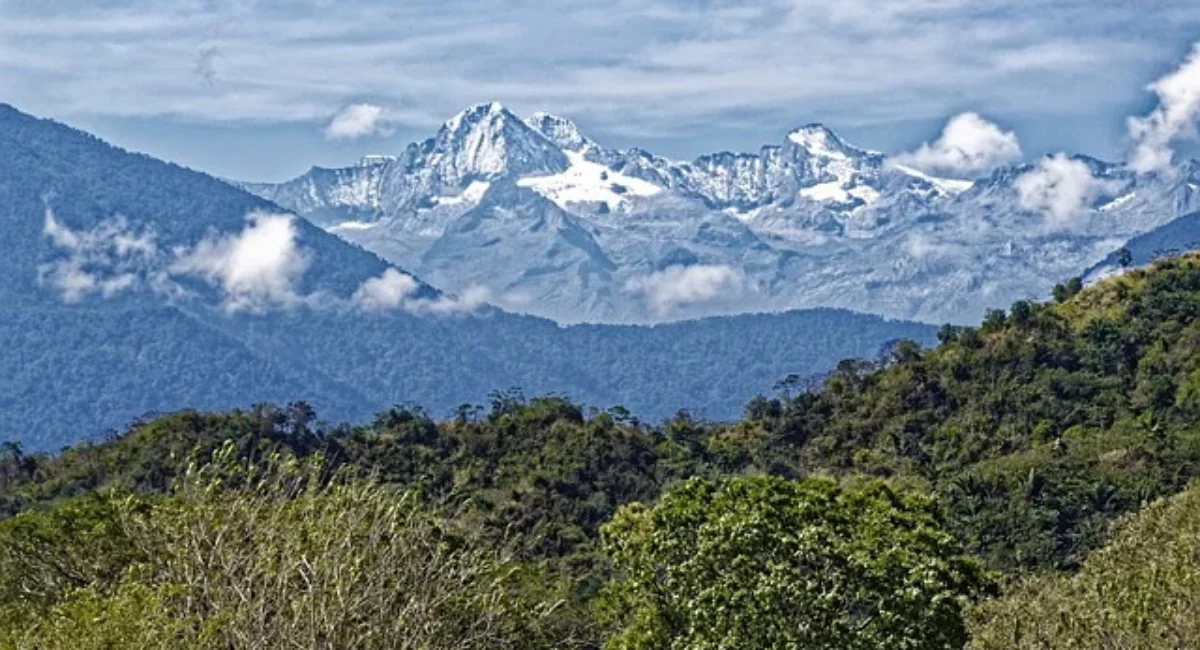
{"points": [[770, 563]]}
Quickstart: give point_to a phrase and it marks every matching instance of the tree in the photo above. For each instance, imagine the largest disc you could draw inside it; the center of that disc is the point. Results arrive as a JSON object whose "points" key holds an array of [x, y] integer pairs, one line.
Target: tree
{"points": [[1124, 258], [947, 333], [1060, 293], [770, 563], [994, 320], [1021, 311]]}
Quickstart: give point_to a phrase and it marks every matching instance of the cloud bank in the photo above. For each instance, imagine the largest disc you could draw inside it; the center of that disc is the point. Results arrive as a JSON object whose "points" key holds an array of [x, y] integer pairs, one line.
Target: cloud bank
{"points": [[357, 121], [969, 144], [1174, 118], [676, 287]]}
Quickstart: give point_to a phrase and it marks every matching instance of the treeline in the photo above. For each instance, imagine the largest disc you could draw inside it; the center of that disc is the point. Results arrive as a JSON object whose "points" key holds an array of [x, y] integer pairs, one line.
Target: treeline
{"points": [[961, 496]]}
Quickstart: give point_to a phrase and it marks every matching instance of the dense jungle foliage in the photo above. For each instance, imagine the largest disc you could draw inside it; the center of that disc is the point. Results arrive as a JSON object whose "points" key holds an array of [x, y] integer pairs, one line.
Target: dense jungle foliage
{"points": [[989, 493]]}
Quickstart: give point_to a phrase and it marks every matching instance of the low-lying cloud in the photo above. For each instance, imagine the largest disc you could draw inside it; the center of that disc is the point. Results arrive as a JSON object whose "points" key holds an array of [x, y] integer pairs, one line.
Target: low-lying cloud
{"points": [[1174, 118], [357, 121], [679, 286], [969, 144], [388, 291], [1059, 187], [256, 268], [106, 260], [927, 247], [392, 290]]}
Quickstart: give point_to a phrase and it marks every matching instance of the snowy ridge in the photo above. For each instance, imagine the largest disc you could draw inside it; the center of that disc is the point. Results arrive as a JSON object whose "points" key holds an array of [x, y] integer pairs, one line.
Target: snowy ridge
{"points": [[589, 182], [553, 223]]}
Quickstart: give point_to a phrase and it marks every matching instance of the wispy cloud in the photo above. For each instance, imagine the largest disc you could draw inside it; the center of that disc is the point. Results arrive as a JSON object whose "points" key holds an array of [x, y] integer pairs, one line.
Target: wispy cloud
{"points": [[393, 290], [105, 260], [389, 290], [677, 287], [1175, 118], [257, 269]]}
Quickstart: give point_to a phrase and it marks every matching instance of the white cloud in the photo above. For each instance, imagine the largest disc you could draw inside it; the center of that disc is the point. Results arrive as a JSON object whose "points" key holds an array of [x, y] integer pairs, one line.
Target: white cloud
{"points": [[681, 286], [255, 268], [1173, 119], [927, 247], [393, 289], [107, 259], [390, 290], [1060, 188], [356, 121], [969, 144], [472, 298]]}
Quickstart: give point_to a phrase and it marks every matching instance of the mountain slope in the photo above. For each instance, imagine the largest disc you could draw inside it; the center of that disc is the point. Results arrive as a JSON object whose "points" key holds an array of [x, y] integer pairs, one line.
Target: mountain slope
{"points": [[132, 285], [1180, 235], [810, 222]]}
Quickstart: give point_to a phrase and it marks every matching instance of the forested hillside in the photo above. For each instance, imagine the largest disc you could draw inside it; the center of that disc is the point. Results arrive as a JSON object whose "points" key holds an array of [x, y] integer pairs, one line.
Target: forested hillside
{"points": [[130, 285], [940, 498]]}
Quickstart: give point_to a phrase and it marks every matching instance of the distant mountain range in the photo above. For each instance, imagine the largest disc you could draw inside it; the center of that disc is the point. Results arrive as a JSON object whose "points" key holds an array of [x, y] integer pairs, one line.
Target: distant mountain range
{"points": [[549, 222], [131, 285]]}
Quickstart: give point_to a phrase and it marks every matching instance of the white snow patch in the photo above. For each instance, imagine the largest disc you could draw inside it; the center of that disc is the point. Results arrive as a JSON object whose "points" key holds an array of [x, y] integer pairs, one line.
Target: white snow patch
{"points": [[826, 192], [745, 216], [472, 194], [866, 193], [355, 225], [589, 182], [946, 185], [1117, 202]]}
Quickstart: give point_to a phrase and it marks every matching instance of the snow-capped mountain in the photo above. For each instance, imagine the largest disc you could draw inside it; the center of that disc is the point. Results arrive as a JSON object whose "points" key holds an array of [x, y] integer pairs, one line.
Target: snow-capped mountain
{"points": [[552, 223]]}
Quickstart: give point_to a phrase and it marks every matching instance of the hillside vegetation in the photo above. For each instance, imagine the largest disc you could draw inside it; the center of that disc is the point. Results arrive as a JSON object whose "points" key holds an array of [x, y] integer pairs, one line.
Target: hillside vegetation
{"points": [[925, 499]]}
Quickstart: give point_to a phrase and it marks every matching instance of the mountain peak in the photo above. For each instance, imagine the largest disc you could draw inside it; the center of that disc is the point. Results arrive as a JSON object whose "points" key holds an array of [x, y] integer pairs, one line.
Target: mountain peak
{"points": [[478, 113], [821, 141], [487, 140], [559, 130]]}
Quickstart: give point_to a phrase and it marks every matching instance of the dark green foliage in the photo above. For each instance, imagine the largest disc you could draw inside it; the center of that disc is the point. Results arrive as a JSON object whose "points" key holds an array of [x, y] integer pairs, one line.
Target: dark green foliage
{"points": [[1033, 431], [49, 554], [769, 563], [1124, 258], [1142, 591]]}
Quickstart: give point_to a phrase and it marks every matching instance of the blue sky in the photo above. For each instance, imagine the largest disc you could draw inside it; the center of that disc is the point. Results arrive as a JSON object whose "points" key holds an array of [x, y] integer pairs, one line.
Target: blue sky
{"points": [[247, 88]]}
